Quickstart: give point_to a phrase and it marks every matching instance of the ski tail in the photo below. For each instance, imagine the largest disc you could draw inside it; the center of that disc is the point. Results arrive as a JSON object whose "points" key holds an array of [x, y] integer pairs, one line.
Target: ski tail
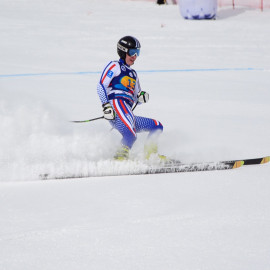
{"points": [[256, 161]]}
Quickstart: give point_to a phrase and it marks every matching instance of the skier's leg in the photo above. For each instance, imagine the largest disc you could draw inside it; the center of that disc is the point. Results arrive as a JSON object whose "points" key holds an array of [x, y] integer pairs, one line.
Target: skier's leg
{"points": [[125, 124], [154, 128], [149, 125]]}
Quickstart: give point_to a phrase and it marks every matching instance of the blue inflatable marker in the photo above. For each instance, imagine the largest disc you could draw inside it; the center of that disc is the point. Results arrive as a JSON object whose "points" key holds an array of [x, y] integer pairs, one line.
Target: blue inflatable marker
{"points": [[198, 9]]}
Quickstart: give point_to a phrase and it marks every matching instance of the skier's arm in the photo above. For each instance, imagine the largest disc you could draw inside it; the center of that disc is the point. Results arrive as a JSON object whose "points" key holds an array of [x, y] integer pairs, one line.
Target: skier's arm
{"points": [[142, 96], [110, 71]]}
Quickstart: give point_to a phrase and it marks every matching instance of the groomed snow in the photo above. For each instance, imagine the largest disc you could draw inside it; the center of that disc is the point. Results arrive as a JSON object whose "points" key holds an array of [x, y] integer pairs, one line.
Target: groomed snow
{"points": [[209, 86]]}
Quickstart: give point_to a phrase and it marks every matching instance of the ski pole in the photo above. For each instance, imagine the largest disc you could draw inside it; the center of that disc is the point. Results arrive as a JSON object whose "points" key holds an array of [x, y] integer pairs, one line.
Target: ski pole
{"points": [[89, 120], [135, 106], [97, 118]]}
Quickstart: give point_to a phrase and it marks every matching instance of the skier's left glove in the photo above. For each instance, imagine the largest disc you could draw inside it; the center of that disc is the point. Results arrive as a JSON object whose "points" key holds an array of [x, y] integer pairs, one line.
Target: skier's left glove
{"points": [[143, 97], [108, 111]]}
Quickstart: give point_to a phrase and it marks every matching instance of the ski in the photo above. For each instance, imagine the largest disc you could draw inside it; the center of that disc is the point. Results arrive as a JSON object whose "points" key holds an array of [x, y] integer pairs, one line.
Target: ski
{"points": [[117, 168], [195, 167], [256, 161], [173, 166], [208, 166]]}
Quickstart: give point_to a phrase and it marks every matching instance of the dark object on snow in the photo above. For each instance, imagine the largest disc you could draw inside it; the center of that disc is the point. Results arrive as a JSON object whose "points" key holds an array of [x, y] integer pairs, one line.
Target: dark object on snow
{"points": [[161, 2]]}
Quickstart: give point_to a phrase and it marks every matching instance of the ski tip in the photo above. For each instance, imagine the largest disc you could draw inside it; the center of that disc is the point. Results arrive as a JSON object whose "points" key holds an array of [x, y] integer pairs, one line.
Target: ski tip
{"points": [[238, 164], [265, 160]]}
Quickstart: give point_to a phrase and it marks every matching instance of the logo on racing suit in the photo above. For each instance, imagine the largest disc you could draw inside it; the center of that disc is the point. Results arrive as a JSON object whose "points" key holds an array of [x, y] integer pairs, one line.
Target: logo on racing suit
{"points": [[110, 73]]}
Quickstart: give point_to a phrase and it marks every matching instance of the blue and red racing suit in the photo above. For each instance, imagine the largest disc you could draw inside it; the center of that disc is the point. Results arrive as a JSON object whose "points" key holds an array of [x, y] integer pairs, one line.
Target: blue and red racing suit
{"points": [[119, 85]]}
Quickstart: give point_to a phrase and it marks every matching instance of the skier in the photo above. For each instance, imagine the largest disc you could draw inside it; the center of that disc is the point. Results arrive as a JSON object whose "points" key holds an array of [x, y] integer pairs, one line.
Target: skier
{"points": [[119, 89]]}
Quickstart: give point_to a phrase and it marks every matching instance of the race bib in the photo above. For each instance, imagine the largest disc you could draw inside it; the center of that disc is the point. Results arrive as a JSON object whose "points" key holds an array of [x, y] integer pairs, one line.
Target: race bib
{"points": [[128, 82]]}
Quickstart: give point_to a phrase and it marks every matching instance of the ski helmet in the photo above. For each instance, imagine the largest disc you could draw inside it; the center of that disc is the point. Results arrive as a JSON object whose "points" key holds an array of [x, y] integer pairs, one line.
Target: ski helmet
{"points": [[128, 45]]}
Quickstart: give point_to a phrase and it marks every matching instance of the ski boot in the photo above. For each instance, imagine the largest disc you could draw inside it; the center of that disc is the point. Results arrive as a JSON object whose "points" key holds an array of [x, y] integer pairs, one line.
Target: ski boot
{"points": [[151, 149], [122, 153]]}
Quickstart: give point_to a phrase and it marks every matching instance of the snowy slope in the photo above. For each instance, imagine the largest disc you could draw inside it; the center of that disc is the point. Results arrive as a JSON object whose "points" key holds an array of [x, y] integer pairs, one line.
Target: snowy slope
{"points": [[190, 221], [209, 86]]}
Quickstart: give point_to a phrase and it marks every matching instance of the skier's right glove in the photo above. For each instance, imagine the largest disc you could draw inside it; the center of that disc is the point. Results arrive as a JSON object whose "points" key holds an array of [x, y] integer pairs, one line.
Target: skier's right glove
{"points": [[108, 111]]}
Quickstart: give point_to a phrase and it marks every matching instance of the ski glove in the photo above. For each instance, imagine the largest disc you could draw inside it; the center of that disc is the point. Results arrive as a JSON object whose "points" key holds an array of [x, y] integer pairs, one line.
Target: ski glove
{"points": [[143, 97], [108, 111]]}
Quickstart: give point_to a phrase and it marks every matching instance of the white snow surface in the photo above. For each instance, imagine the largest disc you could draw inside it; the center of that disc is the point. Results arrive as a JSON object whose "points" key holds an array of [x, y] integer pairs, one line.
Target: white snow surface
{"points": [[209, 84]]}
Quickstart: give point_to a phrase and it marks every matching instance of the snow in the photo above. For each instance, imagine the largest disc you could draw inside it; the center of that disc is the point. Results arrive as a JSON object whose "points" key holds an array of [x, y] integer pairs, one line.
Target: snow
{"points": [[209, 86]]}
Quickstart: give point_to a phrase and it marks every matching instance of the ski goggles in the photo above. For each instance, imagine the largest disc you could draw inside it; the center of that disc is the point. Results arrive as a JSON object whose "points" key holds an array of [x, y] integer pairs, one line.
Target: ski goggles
{"points": [[132, 52]]}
